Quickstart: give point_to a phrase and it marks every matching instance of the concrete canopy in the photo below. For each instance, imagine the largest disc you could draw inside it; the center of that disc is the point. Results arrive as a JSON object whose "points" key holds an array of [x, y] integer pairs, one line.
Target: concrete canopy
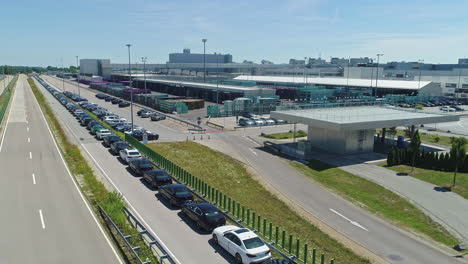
{"points": [[359, 118]]}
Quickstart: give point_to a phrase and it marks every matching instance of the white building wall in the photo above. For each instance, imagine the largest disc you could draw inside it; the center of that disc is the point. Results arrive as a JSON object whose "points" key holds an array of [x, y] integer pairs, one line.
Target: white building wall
{"points": [[341, 141]]}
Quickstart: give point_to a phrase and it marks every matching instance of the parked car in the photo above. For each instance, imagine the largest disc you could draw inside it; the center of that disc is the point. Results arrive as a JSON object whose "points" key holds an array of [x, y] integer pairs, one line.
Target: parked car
{"points": [[268, 121], [447, 109], [108, 140], [129, 154], [108, 99], [138, 134], [246, 122], [278, 261], [243, 244], [124, 104], [278, 121], [95, 129], [249, 115], [116, 101], [146, 114], [116, 147], [457, 108], [205, 215], [140, 165], [258, 121], [141, 111], [101, 133], [100, 96], [157, 178], [176, 194], [92, 123], [85, 120], [157, 117]]}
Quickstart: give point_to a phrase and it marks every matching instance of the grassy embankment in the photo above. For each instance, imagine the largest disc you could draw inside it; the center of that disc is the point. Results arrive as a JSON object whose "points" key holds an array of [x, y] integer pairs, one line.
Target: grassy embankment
{"points": [[231, 178], [377, 200], [285, 135], [93, 189], [439, 178]]}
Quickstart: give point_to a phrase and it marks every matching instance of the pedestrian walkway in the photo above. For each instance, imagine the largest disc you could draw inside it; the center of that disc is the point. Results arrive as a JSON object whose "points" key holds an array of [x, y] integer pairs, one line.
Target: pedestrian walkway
{"points": [[447, 208]]}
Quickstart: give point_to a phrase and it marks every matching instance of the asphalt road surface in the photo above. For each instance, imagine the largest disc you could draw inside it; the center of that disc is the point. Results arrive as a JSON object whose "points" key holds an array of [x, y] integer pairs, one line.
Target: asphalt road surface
{"points": [[383, 239], [178, 233], [44, 217]]}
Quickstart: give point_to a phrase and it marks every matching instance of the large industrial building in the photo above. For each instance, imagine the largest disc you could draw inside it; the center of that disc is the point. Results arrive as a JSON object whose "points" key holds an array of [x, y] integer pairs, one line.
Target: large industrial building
{"points": [[187, 57]]}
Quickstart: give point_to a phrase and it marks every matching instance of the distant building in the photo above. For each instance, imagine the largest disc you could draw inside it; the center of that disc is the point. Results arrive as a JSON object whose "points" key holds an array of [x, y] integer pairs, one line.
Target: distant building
{"points": [[463, 61], [339, 62], [316, 62], [187, 57], [296, 62], [98, 67], [357, 61], [266, 62], [248, 62]]}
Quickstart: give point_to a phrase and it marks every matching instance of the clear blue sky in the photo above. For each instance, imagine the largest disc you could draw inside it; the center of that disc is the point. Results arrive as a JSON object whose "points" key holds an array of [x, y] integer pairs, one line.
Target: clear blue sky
{"points": [[42, 32]]}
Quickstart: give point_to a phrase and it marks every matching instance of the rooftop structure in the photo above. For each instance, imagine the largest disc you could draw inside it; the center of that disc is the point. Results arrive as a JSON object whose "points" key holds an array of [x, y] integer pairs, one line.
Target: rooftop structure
{"points": [[350, 130]]}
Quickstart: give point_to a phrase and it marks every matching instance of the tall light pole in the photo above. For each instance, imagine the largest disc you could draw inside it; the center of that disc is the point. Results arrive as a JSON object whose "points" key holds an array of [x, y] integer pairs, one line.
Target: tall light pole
{"points": [[204, 59], [143, 59], [130, 84], [420, 69], [377, 72], [78, 76]]}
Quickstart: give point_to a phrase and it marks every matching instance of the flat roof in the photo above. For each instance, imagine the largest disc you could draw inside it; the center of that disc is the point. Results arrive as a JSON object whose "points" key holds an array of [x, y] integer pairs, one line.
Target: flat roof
{"points": [[388, 84], [212, 86], [362, 117]]}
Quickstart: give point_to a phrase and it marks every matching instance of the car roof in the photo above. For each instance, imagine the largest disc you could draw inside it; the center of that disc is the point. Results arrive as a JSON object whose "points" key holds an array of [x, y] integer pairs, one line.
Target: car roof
{"points": [[204, 206], [244, 233]]}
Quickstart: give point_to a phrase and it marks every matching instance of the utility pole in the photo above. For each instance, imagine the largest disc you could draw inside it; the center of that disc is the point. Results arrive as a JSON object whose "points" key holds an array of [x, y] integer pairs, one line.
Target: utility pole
{"points": [[144, 76], [204, 59], [63, 76], [130, 84], [420, 69], [377, 72], [78, 76]]}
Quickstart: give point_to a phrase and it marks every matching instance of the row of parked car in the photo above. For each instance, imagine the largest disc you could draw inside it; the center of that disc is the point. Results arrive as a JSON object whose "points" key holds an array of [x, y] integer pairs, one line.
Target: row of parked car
{"points": [[251, 119], [144, 113], [243, 244], [448, 103]]}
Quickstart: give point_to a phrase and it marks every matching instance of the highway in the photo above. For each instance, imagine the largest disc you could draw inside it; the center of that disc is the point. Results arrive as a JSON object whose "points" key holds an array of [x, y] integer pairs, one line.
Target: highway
{"points": [[383, 239], [45, 217], [182, 238]]}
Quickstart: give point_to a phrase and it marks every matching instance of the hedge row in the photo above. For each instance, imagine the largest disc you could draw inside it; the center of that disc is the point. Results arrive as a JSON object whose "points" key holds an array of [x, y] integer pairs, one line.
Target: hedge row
{"points": [[424, 159]]}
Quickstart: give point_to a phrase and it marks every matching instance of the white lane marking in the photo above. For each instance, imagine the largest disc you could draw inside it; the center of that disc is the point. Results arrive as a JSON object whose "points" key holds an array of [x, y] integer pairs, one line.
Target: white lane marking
{"points": [[77, 188], [29, 140], [253, 141], [460, 125], [27, 128], [30, 155], [251, 150], [42, 219], [113, 184], [34, 178], [349, 220]]}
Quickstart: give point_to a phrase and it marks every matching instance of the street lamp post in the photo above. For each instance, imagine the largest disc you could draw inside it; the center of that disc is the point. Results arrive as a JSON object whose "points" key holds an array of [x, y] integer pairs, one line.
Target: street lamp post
{"points": [[144, 77], [420, 69], [78, 76], [377, 72], [130, 84], [204, 59]]}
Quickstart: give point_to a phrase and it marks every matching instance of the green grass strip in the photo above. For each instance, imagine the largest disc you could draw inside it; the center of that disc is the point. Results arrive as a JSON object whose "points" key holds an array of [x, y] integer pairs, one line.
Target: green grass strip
{"points": [[231, 178], [94, 190], [285, 135], [377, 200]]}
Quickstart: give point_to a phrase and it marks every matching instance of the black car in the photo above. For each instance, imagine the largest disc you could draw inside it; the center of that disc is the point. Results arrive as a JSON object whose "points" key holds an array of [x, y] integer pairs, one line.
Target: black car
{"points": [[116, 147], [92, 123], [108, 99], [124, 104], [278, 261], [205, 215], [108, 140], [157, 117], [157, 178], [86, 120], [176, 194], [138, 134], [139, 166], [100, 96], [116, 101]]}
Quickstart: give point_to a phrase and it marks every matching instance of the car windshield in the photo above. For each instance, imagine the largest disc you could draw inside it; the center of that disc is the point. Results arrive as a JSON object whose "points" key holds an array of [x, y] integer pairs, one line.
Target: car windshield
{"points": [[133, 153], [181, 191], [254, 242], [211, 212]]}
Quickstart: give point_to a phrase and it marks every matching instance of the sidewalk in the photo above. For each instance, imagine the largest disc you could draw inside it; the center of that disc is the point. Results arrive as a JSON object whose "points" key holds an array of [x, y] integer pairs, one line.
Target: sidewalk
{"points": [[447, 208]]}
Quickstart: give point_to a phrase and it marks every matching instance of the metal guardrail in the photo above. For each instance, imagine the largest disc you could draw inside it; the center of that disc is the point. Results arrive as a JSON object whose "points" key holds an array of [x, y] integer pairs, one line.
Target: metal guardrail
{"points": [[197, 127], [123, 236], [153, 243]]}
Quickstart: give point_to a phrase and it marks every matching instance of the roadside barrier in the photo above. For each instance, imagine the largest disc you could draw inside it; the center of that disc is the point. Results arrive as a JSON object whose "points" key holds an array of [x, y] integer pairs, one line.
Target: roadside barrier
{"points": [[6, 94], [286, 244]]}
